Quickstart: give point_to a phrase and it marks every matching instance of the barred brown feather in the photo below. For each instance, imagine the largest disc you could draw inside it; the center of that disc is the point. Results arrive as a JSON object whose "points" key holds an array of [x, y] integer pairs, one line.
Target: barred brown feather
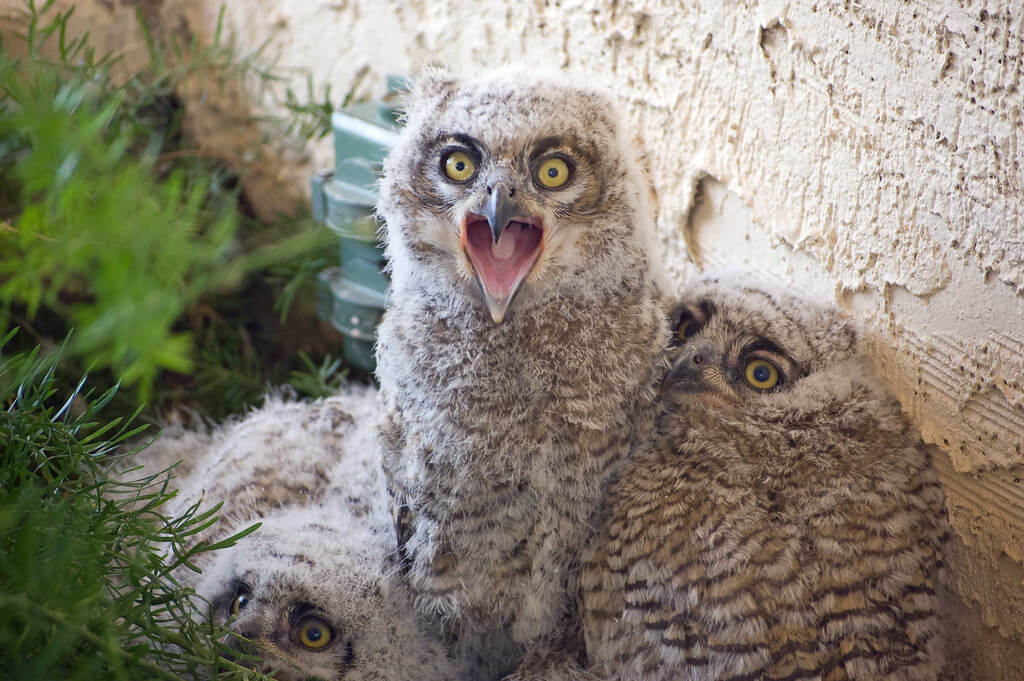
{"points": [[791, 533]]}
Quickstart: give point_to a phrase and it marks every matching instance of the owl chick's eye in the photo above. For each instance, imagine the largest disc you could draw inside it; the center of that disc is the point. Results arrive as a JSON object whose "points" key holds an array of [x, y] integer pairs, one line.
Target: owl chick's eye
{"points": [[242, 597], [312, 632], [762, 374], [458, 166], [681, 332], [687, 319], [685, 325], [688, 326], [553, 172]]}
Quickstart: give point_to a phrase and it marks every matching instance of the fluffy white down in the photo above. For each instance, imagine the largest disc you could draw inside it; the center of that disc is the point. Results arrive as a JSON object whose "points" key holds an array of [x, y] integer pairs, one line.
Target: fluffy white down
{"points": [[309, 472], [505, 424]]}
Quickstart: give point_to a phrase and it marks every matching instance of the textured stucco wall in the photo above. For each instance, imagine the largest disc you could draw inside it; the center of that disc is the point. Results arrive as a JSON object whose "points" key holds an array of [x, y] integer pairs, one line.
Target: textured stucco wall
{"points": [[870, 150], [881, 142]]}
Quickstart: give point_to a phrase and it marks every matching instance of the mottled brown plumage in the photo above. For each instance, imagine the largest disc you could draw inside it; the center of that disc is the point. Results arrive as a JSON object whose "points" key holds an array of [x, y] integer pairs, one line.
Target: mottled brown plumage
{"points": [[516, 370], [785, 524]]}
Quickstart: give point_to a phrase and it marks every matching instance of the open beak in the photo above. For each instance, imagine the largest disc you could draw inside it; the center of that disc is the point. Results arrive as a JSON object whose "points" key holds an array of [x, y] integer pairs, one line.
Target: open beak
{"points": [[503, 246]]}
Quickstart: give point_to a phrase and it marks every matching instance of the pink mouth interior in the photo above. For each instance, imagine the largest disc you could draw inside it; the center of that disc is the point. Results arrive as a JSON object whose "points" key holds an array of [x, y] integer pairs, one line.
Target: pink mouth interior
{"points": [[503, 265]]}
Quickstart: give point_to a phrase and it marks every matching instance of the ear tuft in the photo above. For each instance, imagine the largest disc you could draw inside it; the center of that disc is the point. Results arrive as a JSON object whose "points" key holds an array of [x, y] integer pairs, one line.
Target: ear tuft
{"points": [[429, 89], [434, 79]]}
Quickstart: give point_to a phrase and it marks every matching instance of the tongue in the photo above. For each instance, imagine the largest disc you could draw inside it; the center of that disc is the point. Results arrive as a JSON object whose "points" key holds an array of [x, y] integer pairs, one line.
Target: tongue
{"points": [[502, 266]]}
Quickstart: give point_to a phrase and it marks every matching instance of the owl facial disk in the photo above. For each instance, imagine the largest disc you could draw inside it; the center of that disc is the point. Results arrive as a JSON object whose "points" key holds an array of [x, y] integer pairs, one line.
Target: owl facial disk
{"points": [[750, 365], [503, 246]]}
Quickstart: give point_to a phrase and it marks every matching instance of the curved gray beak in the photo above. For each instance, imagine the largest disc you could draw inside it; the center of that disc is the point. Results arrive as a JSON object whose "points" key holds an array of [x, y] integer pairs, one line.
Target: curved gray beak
{"points": [[500, 209], [687, 372]]}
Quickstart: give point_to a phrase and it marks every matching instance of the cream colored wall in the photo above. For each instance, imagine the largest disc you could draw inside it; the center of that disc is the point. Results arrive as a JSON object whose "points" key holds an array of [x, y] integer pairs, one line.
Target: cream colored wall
{"points": [[872, 151]]}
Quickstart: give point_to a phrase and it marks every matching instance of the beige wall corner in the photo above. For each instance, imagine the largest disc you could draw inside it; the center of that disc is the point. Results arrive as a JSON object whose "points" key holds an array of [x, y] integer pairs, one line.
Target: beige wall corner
{"points": [[871, 151]]}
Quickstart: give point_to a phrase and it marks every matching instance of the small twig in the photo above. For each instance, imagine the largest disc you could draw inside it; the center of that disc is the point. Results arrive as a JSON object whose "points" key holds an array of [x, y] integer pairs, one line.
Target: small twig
{"points": [[8, 227], [28, 328]]}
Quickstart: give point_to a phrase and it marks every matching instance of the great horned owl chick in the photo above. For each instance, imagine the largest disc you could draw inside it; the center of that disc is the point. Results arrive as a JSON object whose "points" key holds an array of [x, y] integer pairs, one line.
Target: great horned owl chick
{"points": [[276, 456], [315, 592], [520, 354], [787, 523]]}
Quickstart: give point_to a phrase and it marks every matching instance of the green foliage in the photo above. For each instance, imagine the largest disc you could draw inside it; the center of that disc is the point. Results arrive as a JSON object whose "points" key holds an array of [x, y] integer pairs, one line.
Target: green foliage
{"points": [[311, 116], [86, 583], [108, 226], [127, 285], [129, 258], [318, 380]]}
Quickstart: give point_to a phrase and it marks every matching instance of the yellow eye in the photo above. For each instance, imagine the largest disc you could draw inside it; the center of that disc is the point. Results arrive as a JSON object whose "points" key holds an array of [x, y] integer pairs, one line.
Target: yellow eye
{"points": [[762, 374], [553, 173], [241, 600], [459, 166], [313, 632], [684, 327]]}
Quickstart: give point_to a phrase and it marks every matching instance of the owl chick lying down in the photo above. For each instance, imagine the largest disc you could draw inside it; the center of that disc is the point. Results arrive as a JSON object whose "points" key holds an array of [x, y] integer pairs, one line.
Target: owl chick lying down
{"points": [[786, 523], [315, 592]]}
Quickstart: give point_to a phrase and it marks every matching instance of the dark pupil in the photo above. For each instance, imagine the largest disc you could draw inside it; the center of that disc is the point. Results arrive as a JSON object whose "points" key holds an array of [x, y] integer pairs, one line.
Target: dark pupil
{"points": [[314, 634], [552, 172], [762, 374], [460, 165], [242, 602]]}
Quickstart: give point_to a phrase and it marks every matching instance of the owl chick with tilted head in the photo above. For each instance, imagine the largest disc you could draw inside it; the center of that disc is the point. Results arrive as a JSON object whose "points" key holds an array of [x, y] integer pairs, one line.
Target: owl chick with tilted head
{"points": [[786, 524], [521, 351], [316, 590]]}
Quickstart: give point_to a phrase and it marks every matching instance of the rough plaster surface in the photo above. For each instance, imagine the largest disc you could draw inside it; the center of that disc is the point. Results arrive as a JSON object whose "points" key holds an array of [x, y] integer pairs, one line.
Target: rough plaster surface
{"points": [[870, 150]]}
